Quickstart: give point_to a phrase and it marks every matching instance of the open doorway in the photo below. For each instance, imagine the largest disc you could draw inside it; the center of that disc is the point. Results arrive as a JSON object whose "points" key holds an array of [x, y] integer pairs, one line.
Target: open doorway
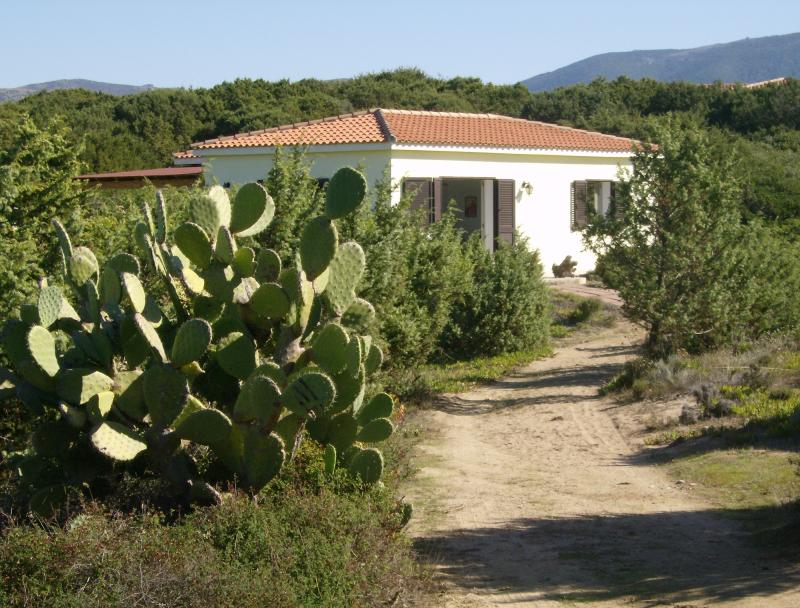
{"points": [[473, 202]]}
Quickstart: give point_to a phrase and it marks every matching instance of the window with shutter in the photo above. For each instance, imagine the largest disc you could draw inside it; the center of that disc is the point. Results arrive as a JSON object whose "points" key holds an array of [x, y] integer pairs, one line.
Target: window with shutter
{"points": [[504, 218], [579, 212], [421, 191]]}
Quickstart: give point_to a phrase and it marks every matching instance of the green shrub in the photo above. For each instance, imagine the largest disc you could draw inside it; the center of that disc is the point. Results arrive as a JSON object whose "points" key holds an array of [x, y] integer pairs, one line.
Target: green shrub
{"points": [[675, 247], [506, 309], [307, 542], [585, 310]]}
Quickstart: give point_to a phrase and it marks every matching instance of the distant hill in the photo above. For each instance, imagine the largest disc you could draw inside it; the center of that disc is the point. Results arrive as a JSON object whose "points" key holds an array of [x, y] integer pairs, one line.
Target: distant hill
{"points": [[78, 83], [748, 60]]}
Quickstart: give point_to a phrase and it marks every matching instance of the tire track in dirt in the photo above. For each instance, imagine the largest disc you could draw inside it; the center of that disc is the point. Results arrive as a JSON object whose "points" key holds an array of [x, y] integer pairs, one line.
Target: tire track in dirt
{"points": [[529, 495]]}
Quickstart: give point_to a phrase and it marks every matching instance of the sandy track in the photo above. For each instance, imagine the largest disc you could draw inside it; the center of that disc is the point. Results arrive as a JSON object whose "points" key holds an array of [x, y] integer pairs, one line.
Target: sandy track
{"points": [[529, 495]]}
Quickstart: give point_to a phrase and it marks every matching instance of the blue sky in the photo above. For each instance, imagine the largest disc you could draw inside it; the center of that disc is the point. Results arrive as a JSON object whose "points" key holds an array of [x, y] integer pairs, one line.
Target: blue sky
{"points": [[201, 43]]}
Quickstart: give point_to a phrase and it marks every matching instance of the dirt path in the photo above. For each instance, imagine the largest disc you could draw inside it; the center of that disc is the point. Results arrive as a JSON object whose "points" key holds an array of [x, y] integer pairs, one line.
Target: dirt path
{"points": [[529, 495]]}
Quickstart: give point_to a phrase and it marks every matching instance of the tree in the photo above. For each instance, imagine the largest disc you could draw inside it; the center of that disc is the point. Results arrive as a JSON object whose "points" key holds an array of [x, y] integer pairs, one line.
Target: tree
{"points": [[673, 241], [36, 185]]}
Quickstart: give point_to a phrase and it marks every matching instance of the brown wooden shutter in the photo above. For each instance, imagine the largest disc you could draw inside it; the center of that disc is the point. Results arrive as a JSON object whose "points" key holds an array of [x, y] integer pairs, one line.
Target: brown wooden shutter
{"points": [[505, 210], [421, 190], [616, 205], [437, 200], [579, 204]]}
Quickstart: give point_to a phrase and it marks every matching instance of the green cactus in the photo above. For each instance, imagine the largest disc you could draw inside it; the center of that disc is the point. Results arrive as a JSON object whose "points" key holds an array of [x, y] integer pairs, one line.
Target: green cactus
{"points": [[240, 355], [42, 349], [194, 243], [318, 245], [346, 191], [117, 441], [345, 270], [191, 342], [253, 210]]}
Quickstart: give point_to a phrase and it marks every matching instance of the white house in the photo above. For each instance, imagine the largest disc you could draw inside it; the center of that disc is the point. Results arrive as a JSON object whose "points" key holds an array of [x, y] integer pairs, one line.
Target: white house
{"points": [[504, 174]]}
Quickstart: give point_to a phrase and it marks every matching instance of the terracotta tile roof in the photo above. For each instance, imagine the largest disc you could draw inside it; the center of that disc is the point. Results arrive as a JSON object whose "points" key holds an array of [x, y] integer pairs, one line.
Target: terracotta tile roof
{"points": [[422, 127], [184, 154], [356, 128]]}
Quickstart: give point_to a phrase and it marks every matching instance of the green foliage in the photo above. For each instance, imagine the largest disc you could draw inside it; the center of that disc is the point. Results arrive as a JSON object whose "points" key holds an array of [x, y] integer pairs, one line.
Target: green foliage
{"points": [[678, 253], [506, 307], [240, 553], [36, 171], [138, 354]]}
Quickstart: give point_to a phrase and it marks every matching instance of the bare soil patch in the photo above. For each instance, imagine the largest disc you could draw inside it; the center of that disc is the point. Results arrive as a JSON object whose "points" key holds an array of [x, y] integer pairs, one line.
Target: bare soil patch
{"points": [[536, 491]]}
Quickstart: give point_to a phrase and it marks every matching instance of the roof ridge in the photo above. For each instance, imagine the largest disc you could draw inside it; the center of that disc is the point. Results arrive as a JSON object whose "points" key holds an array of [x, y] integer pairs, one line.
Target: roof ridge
{"points": [[384, 125]]}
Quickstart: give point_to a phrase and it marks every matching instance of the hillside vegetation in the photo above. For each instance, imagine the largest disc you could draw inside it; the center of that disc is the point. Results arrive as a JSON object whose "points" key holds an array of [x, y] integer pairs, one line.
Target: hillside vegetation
{"points": [[143, 130]]}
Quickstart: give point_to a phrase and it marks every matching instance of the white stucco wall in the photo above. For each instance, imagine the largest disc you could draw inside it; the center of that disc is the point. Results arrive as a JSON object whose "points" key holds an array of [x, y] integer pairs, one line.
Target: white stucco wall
{"points": [[251, 164], [544, 215]]}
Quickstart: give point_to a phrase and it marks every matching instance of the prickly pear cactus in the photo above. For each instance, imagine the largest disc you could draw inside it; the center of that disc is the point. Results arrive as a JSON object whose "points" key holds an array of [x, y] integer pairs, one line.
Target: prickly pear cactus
{"points": [[235, 352]]}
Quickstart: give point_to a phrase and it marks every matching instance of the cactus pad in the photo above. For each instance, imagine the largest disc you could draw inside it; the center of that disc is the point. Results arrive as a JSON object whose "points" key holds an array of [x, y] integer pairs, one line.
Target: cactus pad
{"points": [[191, 341], [359, 315], [49, 305], [330, 348], [160, 235], [134, 290], [329, 458], [194, 243], [318, 245], [236, 354], [63, 239], [346, 191], [377, 430], [271, 370], [150, 335], [209, 212], [97, 407], [125, 262], [380, 406], [374, 359], [117, 441], [263, 457], [253, 210], [309, 394], [110, 287], [77, 386], [345, 273], [82, 265], [342, 431], [367, 465], [42, 349], [166, 392], [244, 262], [206, 427], [225, 247], [270, 301], [258, 400], [219, 281], [268, 266]]}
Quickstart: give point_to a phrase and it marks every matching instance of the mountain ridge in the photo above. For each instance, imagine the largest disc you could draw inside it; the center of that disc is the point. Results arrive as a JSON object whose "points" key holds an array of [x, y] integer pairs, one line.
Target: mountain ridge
{"points": [[745, 60], [17, 93]]}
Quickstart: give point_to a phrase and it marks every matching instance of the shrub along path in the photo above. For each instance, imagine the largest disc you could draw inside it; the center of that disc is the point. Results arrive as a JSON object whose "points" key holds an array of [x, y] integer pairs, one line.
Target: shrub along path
{"points": [[528, 494]]}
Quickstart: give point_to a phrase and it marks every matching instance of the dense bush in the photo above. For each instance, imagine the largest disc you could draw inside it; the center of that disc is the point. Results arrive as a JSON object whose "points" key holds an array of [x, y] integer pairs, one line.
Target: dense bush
{"points": [[310, 541], [505, 308]]}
